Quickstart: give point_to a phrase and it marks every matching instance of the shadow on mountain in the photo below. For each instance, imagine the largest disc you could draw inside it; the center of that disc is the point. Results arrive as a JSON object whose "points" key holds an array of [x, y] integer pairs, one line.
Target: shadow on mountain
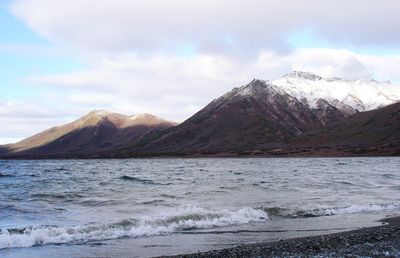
{"points": [[84, 138], [242, 129], [4, 150]]}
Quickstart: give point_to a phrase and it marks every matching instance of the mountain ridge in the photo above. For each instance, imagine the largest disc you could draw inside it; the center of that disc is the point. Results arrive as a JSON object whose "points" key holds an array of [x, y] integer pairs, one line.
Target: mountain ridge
{"points": [[358, 95], [270, 117], [98, 130]]}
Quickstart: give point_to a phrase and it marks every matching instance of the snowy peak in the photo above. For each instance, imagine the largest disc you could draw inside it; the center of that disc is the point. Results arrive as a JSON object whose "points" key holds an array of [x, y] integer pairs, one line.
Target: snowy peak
{"points": [[257, 86], [302, 76], [254, 88], [346, 95]]}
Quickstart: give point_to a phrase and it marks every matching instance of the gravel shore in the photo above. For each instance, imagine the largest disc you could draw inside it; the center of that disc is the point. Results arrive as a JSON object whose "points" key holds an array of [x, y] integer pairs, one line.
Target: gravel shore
{"points": [[381, 241]]}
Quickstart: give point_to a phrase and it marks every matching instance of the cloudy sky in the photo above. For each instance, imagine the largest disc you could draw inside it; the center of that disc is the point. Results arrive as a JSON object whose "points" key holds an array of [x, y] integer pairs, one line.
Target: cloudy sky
{"points": [[60, 59]]}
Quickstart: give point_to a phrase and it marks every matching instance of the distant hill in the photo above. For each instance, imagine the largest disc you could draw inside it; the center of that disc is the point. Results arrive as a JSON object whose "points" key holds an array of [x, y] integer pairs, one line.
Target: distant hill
{"points": [[95, 132]]}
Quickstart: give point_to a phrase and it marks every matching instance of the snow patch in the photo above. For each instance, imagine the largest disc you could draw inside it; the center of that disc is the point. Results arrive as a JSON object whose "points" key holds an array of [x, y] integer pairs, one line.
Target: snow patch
{"points": [[362, 95]]}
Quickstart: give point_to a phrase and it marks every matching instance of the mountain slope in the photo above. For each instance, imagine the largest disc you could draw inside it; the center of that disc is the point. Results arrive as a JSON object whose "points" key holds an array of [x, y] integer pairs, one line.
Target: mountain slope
{"points": [[327, 113], [374, 129], [95, 132], [255, 115]]}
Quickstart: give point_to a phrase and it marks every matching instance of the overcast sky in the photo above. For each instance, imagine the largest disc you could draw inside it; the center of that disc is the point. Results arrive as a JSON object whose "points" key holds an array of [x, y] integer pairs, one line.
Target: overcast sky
{"points": [[60, 59]]}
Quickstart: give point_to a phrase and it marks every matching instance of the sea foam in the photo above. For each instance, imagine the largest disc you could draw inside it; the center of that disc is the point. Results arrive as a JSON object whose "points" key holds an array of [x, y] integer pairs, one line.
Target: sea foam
{"points": [[172, 221], [366, 208], [329, 211]]}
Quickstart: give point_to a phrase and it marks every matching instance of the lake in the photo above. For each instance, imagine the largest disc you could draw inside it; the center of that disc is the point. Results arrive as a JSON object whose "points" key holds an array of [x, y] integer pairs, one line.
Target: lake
{"points": [[150, 207]]}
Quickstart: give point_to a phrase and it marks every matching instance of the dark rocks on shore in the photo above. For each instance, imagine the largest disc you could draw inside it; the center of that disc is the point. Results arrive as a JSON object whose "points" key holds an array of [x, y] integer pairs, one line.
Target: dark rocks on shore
{"points": [[383, 241]]}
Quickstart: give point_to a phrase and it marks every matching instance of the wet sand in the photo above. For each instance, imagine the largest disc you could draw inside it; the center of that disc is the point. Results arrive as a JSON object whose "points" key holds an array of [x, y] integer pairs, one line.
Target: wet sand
{"points": [[381, 241]]}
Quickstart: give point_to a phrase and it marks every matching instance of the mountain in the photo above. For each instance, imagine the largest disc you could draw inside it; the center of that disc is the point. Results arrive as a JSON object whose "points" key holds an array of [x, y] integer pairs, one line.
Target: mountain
{"points": [[258, 114], [98, 131], [265, 115], [298, 114], [373, 132], [348, 96]]}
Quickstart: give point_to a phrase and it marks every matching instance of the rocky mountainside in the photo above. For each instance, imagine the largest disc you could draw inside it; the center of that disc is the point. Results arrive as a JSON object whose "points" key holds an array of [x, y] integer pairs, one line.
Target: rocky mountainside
{"points": [[373, 132], [254, 115], [95, 132]]}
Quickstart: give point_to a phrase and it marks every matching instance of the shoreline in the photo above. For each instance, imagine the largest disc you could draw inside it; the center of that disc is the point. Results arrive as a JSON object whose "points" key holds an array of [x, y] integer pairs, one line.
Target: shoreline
{"points": [[218, 156], [375, 241]]}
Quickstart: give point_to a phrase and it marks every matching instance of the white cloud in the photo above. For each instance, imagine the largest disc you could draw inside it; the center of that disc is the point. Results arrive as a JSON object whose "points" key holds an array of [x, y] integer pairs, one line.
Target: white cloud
{"points": [[208, 25], [21, 119], [331, 63]]}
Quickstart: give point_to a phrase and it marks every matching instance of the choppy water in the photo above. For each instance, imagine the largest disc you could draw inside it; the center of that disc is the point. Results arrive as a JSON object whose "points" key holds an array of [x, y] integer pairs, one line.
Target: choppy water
{"points": [[142, 207]]}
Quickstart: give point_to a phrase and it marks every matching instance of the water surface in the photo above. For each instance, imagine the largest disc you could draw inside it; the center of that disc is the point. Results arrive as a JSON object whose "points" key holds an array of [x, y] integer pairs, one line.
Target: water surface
{"points": [[146, 207]]}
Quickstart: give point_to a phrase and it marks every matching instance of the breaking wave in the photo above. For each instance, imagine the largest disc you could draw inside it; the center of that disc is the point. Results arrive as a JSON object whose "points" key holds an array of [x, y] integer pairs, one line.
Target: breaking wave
{"points": [[353, 209], [172, 221], [179, 220]]}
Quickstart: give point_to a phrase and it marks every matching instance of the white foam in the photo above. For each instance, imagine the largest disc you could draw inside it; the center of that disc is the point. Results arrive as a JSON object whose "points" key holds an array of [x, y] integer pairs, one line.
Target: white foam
{"points": [[178, 220], [354, 209]]}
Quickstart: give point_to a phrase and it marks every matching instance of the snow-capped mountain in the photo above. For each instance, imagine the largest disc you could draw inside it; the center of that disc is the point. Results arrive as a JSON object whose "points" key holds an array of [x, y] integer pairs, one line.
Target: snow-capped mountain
{"points": [[265, 115], [349, 96], [256, 114]]}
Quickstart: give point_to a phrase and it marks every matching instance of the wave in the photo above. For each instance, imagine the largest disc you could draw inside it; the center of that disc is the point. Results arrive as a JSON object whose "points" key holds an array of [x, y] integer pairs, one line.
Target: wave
{"points": [[344, 182], [153, 202], [5, 175], [352, 209], [57, 196], [136, 179], [355, 209], [179, 220], [168, 221], [140, 180]]}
